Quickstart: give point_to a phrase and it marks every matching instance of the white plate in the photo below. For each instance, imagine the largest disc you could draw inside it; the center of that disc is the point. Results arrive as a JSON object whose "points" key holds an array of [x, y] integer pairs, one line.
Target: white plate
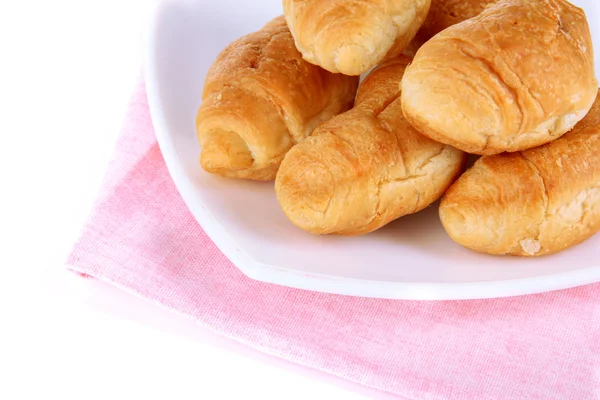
{"points": [[410, 259]]}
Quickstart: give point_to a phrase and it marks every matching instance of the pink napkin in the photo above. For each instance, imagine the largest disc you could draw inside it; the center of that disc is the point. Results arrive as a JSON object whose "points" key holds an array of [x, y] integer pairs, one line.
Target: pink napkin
{"points": [[141, 237]]}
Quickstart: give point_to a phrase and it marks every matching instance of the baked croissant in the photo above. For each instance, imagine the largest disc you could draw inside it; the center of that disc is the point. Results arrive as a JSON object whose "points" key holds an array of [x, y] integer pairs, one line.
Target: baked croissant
{"points": [[260, 98], [443, 14], [366, 167], [518, 75], [530, 203], [352, 36]]}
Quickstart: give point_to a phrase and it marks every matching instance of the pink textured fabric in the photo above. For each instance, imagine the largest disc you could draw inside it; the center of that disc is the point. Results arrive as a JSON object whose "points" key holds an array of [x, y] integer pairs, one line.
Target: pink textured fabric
{"points": [[142, 238]]}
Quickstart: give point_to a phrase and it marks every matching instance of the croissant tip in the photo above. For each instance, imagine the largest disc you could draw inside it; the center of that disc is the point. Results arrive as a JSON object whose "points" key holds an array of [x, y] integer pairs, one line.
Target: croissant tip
{"points": [[225, 151]]}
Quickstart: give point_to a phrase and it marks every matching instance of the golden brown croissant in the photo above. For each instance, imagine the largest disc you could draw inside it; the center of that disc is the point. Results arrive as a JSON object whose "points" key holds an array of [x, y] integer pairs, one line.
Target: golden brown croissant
{"points": [[260, 98], [518, 75], [531, 203], [351, 36], [443, 14], [366, 167]]}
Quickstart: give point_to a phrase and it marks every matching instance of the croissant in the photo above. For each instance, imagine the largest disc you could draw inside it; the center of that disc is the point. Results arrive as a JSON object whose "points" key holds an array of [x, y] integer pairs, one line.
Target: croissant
{"points": [[531, 203], [518, 75], [260, 98], [352, 36], [443, 14], [366, 167]]}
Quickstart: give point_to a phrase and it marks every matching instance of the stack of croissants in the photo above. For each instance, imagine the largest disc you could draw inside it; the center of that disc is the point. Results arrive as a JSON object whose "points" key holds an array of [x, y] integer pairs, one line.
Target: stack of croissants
{"points": [[511, 81]]}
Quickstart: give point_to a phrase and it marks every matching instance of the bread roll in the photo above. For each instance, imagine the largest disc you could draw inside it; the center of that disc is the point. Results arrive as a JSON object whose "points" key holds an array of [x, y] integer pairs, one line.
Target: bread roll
{"points": [[351, 36], [260, 98], [443, 14], [366, 167], [531, 203], [518, 75]]}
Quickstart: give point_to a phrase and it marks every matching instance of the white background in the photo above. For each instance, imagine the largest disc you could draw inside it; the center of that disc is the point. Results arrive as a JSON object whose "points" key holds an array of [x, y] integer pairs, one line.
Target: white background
{"points": [[67, 69]]}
